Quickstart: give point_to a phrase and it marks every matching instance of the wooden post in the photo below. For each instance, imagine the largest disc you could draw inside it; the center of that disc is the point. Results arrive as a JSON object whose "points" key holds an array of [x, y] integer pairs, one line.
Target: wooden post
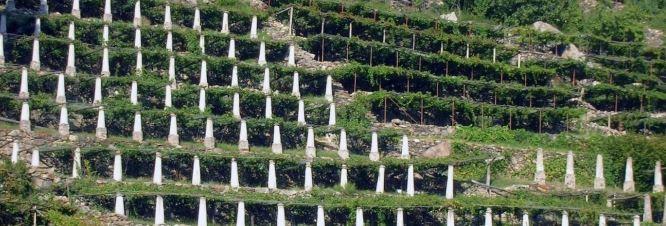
{"points": [[453, 113], [397, 59], [616, 102], [573, 78], [483, 125], [384, 36], [413, 41], [420, 57], [408, 84], [421, 111], [355, 77], [323, 21], [291, 19], [501, 77], [437, 89], [530, 101], [447, 68], [510, 120], [374, 14], [370, 55], [525, 80], [384, 109], [472, 72], [554, 101], [540, 121]]}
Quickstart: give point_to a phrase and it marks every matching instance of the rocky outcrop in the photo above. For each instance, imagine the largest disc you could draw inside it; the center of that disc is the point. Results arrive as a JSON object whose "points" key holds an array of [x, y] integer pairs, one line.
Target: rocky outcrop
{"points": [[545, 27], [654, 37], [443, 149], [572, 52], [449, 17]]}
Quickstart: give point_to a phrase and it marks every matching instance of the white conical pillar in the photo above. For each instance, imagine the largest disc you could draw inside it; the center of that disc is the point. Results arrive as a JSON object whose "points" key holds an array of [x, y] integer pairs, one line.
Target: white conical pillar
{"points": [[169, 41], [106, 72], [10, 5], [540, 175], [647, 208], [203, 79], [105, 34], [43, 7], [269, 108], [602, 220], [24, 122], [63, 125], [202, 219], [629, 177], [2, 50], [253, 28], [173, 138], [328, 94], [15, 152], [137, 132], [172, 71], [137, 14], [167, 97], [359, 217], [658, 183], [262, 54], [449, 182], [38, 27], [467, 51], [488, 217], [107, 18], [526, 219], [272, 178], [450, 217], [494, 55], [117, 167], [295, 87], [276, 147], [331, 114], [167, 17], [291, 59], [380, 180], [97, 96], [301, 113], [234, 174], [266, 84], [232, 49], [120, 205], [599, 180], [202, 99], [404, 153], [308, 177], [60, 92], [209, 138], [157, 172], [663, 216], [374, 148], [196, 171], [280, 215], [197, 20], [34, 158], [134, 93], [3, 23], [565, 218], [240, 214], [76, 163], [320, 216], [637, 220], [100, 131], [202, 44], [243, 144], [410, 180], [343, 151], [24, 93], [570, 176], [159, 210], [399, 218], [310, 150], [34, 63], [520, 58], [343, 176], [71, 31], [236, 106], [234, 76], [70, 69], [225, 23]]}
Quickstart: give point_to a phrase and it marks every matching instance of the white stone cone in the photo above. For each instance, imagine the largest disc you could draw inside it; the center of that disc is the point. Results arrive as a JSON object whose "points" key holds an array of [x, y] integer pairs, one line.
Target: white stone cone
{"points": [[202, 219], [159, 210], [253, 28], [494, 55], [240, 214], [647, 209], [262, 54], [97, 96], [243, 144], [343, 176], [120, 205], [450, 217], [295, 86], [34, 158], [266, 84], [310, 150], [280, 215], [196, 171], [320, 216], [34, 63], [209, 138], [374, 148], [70, 69], [60, 92], [359, 217], [107, 18], [134, 99], [308, 177], [331, 114], [526, 219], [202, 99], [24, 122], [137, 132], [167, 97], [269, 108], [173, 138], [658, 183], [2, 50], [301, 113], [399, 218], [63, 125], [565, 218], [105, 34], [70, 31], [467, 51], [236, 106], [343, 151], [328, 94], [15, 152], [602, 220], [449, 182], [197, 20], [202, 44], [100, 131], [599, 180], [488, 217], [24, 93], [157, 172], [272, 178], [629, 177], [232, 49], [169, 41], [38, 27], [139, 61], [117, 167], [10, 5], [663, 216], [637, 220], [234, 174], [276, 147], [404, 153], [3, 24], [172, 71], [410, 180], [570, 176], [540, 175], [203, 76], [291, 59], [234, 76], [520, 58], [167, 17], [137, 14], [106, 72], [380, 180], [225, 23]]}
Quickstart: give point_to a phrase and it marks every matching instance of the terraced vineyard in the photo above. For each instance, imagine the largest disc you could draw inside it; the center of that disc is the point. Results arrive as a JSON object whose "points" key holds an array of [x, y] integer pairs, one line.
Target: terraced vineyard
{"points": [[320, 112]]}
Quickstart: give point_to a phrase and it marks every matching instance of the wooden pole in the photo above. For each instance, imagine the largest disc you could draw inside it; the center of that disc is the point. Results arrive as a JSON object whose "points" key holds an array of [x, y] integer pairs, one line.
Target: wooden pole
{"points": [[510, 120], [291, 19], [437, 89], [408, 84], [420, 57], [384, 109], [616, 102], [397, 59], [323, 21], [370, 55], [355, 77], [447, 68], [421, 111], [501, 77], [453, 113], [540, 121]]}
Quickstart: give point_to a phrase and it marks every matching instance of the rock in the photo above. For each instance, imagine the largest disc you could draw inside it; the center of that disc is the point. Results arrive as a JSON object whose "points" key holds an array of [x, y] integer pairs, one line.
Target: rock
{"points": [[572, 52], [450, 17], [653, 37], [545, 27], [443, 149], [588, 5]]}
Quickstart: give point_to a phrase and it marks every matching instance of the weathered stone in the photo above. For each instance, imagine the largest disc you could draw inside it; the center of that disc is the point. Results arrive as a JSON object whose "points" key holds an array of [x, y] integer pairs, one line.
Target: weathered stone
{"points": [[443, 149], [545, 27], [572, 52], [449, 17]]}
